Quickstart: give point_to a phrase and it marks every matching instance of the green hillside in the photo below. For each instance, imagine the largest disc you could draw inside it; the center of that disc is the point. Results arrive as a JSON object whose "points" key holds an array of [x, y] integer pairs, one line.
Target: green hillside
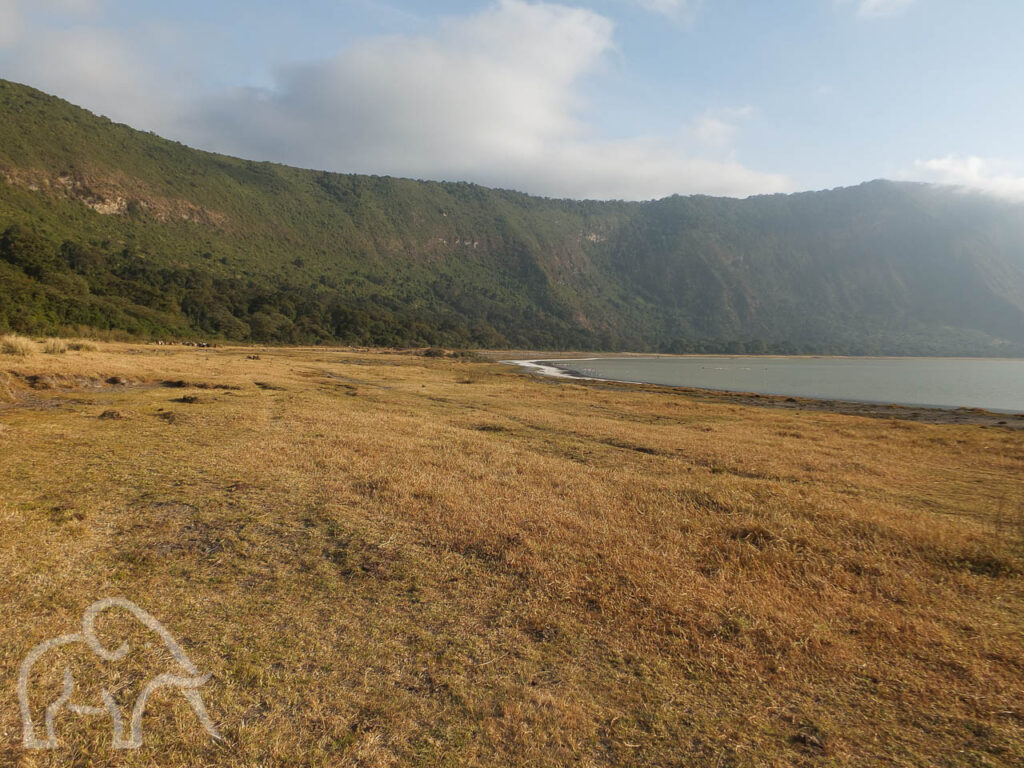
{"points": [[104, 228]]}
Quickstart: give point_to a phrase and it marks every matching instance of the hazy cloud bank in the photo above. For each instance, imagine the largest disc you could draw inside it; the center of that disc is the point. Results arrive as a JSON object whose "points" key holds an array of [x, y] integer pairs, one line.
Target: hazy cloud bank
{"points": [[985, 174], [495, 97]]}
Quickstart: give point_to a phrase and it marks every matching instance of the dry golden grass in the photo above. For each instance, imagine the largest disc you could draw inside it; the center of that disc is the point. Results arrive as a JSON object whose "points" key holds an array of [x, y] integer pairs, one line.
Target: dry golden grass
{"points": [[391, 559], [12, 344]]}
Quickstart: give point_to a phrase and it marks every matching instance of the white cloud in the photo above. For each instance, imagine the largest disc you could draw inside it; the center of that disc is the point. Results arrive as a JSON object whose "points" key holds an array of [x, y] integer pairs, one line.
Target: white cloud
{"points": [[873, 9], [99, 69], [640, 169], [717, 129], [499, 83], [495, 97], [672, 8], [985, 174], [714, 132]]}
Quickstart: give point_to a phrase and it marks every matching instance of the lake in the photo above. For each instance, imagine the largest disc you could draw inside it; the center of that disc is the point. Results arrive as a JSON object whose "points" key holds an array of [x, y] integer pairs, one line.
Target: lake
{"points": [[992, 384]]}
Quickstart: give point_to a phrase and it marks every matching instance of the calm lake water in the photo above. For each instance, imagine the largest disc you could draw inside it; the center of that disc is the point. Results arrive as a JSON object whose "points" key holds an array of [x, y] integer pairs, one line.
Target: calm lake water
{"points": [[995, 385]]}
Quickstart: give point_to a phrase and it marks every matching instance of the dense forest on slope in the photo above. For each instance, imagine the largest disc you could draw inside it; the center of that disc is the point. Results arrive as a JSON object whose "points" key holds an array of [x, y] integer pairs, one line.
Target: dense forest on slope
{"points": [[107, 229]]}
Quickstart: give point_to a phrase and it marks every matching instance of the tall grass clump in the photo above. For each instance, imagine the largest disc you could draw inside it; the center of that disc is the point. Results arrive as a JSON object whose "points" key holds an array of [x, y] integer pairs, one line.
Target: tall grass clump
{"points": [[55, 346], [6, 388], [12, 344]]}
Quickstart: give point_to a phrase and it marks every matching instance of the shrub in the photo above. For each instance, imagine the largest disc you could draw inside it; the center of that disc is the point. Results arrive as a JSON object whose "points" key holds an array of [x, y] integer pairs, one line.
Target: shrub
{"points": [[15, 345], [82, 346]]}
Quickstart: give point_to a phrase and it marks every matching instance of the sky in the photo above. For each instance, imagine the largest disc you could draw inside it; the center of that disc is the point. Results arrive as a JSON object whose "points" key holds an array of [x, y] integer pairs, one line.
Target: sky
{"points": [[606, 99]]}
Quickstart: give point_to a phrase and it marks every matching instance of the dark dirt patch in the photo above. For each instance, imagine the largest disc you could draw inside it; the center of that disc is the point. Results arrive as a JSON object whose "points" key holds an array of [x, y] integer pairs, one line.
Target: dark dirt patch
{"points": [[987, 564], [626, 446], [65, 513], [56, 381], [161, 528], [349, 380], [182, 384], [491, 428], [355, 557]]}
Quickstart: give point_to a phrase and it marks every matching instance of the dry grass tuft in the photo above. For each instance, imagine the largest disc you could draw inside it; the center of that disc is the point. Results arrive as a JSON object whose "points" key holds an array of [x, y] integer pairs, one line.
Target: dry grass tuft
{"points": [[55, 347], [6, 388], [12, 344]]}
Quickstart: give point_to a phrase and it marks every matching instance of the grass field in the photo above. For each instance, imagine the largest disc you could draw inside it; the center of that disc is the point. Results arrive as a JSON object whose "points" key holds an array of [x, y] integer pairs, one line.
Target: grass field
{"points": [[390, 559]]}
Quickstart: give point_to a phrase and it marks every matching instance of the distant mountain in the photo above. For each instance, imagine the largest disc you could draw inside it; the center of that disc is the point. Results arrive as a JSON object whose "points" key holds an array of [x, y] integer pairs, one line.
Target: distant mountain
{"points": [[111, 229]]}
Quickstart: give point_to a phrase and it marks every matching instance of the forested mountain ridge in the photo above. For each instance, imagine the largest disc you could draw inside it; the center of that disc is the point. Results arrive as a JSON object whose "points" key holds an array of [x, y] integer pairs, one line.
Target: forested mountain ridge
{"points": [[104, 227]]}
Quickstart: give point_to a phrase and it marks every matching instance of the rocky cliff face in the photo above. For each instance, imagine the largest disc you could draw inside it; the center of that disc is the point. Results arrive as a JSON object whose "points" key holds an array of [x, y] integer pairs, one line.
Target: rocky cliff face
{"points": [[110, 196]]}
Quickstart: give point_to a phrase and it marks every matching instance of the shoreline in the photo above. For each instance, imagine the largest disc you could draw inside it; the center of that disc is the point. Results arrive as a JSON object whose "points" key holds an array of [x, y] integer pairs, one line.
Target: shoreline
{"points": [[513, 355], [927, 414]]}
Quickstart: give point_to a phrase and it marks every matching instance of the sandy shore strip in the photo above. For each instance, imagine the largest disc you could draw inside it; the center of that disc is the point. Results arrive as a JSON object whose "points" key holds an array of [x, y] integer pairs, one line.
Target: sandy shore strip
{"points": [[542, 367], [552, 368]]}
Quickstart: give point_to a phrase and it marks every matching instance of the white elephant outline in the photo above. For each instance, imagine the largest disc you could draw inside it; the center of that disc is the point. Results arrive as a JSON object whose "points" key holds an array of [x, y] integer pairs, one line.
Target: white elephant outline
{"points": [[187, 683]]}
